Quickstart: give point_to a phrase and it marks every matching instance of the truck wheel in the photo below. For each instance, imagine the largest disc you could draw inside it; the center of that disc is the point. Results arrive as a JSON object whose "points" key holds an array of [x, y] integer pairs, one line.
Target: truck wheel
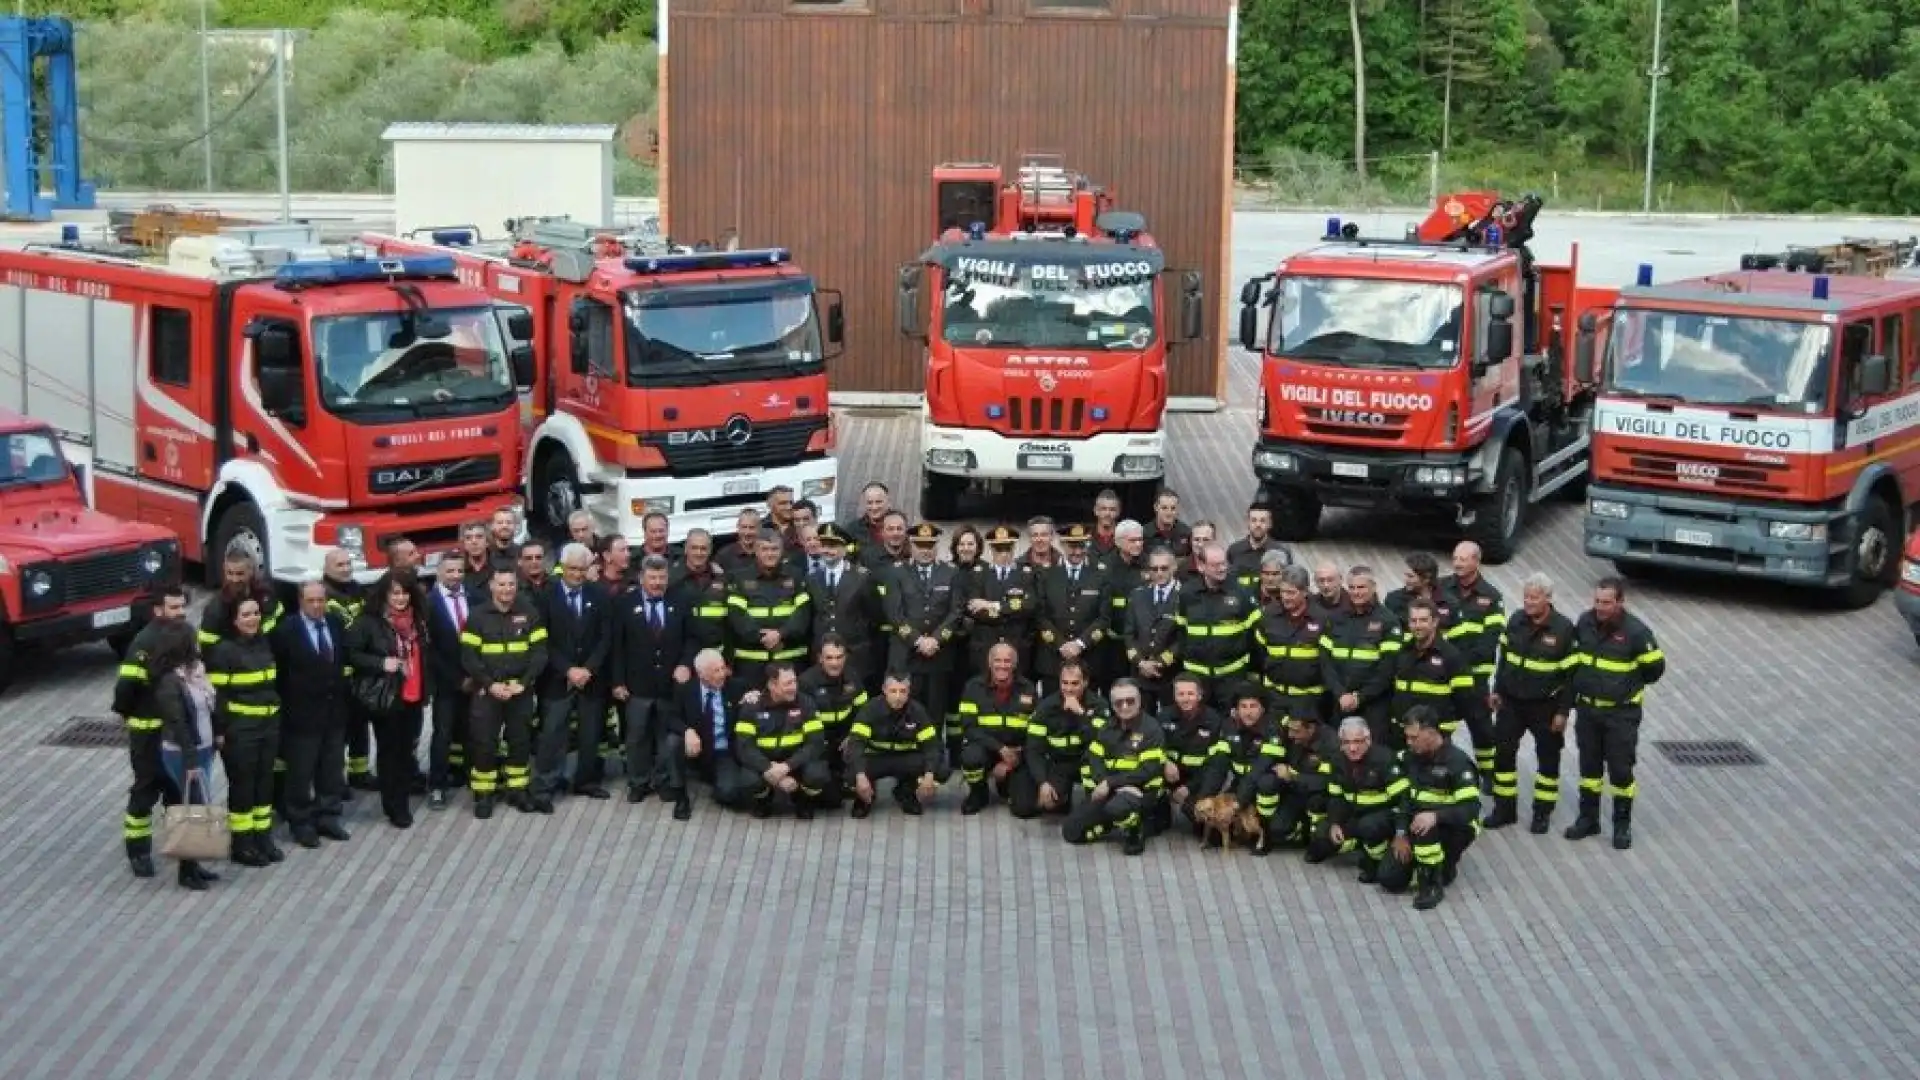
{"points": [[940, 496], [1499, 514], [1876, 558], [1296, 515], [557, 495], [240, 528]]}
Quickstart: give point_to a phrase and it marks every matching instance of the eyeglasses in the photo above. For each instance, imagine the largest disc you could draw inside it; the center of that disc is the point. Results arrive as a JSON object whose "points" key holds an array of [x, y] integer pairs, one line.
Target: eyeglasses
{"points": [[1126, 701]]}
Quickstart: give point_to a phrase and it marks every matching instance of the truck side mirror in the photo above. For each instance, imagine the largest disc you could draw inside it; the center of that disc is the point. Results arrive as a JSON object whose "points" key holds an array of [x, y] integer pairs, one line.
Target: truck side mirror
{"points": [[1500, 306], [836, 321], [1250, 326], [521, 359], [1876, 375], [280, 392], [906, 311], [520, 326], [1250, 292], [1499, 345]]}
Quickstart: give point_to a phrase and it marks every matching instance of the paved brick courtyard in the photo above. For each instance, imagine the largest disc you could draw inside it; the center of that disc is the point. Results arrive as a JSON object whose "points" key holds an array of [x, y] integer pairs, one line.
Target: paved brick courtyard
{"points": [[1764, 925]]}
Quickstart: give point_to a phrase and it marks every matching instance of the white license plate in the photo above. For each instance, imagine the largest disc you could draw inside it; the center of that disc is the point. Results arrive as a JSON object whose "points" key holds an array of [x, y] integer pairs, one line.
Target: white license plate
{"points": [[1696, 537], [119, 616], [740, 487], [1350, 468], [1046, 461]]}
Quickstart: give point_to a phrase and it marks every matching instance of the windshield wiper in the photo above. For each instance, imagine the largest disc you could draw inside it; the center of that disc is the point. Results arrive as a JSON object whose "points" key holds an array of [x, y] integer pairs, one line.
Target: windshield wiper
{"points": [[1644, 395]]}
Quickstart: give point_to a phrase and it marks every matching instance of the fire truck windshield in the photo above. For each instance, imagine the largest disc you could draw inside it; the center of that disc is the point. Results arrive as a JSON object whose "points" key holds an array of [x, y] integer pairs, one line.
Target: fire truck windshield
{"points": [[1720, 359], [440, 362], [1064, 312], [689, 335], [30, 458], [1367, 322]]}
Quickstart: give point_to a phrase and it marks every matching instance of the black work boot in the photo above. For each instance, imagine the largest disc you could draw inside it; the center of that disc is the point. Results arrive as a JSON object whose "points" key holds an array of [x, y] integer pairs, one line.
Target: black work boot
{"points": [[682, 807], [189, 877], [861, 810], [140, 858], [1542, 818], [1505, 812], [1369, 870], [1133, 840], [1430, 891], [1588, 823], [483, 806], [1622, 824], [977, 796], [246, 851]]}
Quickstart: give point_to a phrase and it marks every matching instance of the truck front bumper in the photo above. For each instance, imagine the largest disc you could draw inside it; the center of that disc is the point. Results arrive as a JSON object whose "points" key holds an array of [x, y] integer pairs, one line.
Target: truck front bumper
{"points": [[108, 618], [1810, 546], [1369, 479], [711, 502], [298, 552], [977, 454]]}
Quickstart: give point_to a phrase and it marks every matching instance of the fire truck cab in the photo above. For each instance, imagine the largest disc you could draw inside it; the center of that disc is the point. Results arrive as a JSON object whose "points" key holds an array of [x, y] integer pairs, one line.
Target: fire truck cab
{"points": [[668, 379], [1050, 318], [1434, 374], [256, 391], [68, 573], [1762, 423]]}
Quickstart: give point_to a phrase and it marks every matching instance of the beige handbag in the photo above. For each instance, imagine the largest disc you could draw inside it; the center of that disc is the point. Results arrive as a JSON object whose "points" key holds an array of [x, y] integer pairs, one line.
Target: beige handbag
{"points": [[197, 832]]}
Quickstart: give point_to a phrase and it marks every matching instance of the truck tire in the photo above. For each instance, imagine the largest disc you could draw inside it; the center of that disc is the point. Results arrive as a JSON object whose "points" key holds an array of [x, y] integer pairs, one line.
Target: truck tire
{"points": [[1876, 558], [940, 496], [241, 525], [1296, 514], [1499, 515], [556, 492]]}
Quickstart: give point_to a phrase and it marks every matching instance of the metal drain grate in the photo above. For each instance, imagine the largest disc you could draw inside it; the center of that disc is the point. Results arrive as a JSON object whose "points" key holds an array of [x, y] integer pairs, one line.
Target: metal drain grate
{"points": [[89, 733], [1707, 752]]}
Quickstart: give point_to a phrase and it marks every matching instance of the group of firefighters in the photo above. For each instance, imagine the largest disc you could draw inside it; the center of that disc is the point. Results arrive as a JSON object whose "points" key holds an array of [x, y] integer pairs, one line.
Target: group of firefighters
{"points": [[1129, 676]]}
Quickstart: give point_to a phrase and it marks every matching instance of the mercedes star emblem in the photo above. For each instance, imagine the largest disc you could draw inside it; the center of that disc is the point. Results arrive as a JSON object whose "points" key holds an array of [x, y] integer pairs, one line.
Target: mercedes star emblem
{"points": [[739, 429]]}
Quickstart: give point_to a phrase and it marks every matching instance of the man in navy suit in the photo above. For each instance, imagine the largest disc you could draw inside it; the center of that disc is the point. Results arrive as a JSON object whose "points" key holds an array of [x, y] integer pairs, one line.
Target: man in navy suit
{"points": [[699, 737], [448, 603], [653, 652], [310, 654], [578, 638]]}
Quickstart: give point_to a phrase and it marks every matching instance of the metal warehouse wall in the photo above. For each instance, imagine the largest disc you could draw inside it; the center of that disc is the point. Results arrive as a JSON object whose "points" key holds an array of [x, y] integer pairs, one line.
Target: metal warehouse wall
{"points": [[817, 126]]}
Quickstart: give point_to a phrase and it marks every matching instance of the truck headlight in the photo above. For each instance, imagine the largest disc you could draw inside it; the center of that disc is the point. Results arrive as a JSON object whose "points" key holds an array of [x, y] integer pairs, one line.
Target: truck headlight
{"points": [[1607, 508], [39, 583], [1440, 475], [1139, 465], [151, 561], [949, 459], [1910, 573], [816, 489], [351, 539], [1793, 530], [658, 505], [1275, 460]]}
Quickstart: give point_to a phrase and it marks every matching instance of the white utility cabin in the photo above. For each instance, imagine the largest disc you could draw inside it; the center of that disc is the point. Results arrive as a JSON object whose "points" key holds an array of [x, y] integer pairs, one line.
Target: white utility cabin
{"points": [[483, 174]]}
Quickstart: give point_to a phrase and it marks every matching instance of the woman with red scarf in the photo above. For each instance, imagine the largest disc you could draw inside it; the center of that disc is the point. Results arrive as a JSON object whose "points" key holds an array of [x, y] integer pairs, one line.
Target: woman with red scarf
{"points": [[387, 646]]}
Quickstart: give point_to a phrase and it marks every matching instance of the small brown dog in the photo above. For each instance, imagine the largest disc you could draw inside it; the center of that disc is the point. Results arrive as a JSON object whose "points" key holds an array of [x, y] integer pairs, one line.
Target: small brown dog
{"points": [[1222, 816]]}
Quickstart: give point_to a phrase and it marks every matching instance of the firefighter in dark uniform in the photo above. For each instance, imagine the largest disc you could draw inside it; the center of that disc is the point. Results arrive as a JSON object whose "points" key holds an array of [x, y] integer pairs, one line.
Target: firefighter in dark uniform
{"points": [[133, 701], [994, 711], [1251, 748], [246, 725], [1196, 747], [1364, 795], [1073, 610], [1476, 617], [1361, 640], [1126, 569], [845, 605], [1420, 581], [345, 600], [1126, 763], [779, 740], [1001, 603], [768, 613], [503, 650], [1151, 633], [1246, 556], [1292, 644], [1291, 797], [1428, 670], [240, 578], [1616, 659], [1054, 763], [923, 607], [836, 695], [1532, 695], [1439, 817], [893, 738], [1216, 622], [698, 584]]}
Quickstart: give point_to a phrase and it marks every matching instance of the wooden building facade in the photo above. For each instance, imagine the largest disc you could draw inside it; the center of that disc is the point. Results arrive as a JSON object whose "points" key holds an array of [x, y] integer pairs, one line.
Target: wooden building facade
{"points": [[816, 125]]}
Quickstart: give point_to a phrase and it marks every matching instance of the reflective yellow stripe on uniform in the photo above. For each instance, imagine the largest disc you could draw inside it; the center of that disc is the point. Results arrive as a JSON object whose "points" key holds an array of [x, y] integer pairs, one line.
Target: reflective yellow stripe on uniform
{"points": [[998, 721], [142, 723], [242, 678], [136, 672]]}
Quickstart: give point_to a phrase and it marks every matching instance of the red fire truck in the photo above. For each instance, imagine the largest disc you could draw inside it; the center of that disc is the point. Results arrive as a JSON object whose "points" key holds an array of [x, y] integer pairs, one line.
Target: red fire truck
{"points": [[1764, 423], [1394, 377], [258, 392], [668, 380], [1046, 338], [68, 573]]}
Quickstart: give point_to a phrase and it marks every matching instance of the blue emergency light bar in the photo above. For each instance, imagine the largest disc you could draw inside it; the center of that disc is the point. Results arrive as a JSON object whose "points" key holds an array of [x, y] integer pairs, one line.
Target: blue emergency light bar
{"points": [[352, 271], [708, 260], [1821, 289], [454, 237], [1645, 276]]}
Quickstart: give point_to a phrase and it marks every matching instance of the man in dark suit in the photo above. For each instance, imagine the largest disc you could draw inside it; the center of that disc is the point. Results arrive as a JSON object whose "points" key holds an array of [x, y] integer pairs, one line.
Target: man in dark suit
{"points": [[1150, 629], [699, 737], [579, 637], [653, 651], [309, 650], [923, 608], [447, 606], [845, 604]]}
